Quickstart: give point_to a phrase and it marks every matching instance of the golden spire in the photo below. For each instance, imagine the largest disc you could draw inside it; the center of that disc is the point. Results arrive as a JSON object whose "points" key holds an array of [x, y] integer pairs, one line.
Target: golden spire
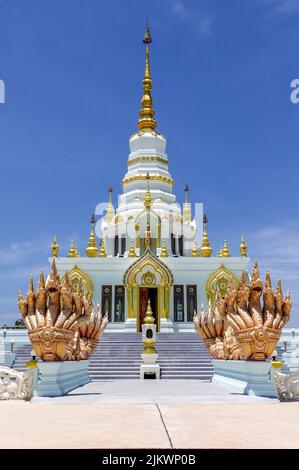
{"points": [[77, 252], [225, 250], [110, 209], [132, 253], [146, 120], [220, 252], [194, 253], [91, 250], [149, 318], [164, 252], [243, 247], [72, 251], [187, 208], [205, 249], [103, 253], [148, 201], [55, 247]]}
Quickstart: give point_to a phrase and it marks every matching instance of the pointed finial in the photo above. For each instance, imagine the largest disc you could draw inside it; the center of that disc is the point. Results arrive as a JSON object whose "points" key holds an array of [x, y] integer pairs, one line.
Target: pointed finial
{"points": [[132, 253], [205, 249], [187, 206], [164, 252], [31, 287], [279, 287], [194, 252], [186, 189], [77, 251], [146, 120], [220, 252], [255, 272], [91, 250], [149, 318], [110, 213], [72, 251], [242, 281], [243, 247], [55, 247], [225, 250], [102, 253]]}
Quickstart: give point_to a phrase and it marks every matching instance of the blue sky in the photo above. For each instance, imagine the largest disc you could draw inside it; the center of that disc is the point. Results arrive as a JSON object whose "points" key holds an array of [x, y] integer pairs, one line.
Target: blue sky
{"points": [[221, 88]]}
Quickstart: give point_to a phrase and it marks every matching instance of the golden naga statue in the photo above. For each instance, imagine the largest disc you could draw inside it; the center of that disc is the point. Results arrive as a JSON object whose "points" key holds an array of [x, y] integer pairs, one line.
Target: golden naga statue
{"points": [[217, 335], [62, 323], [250, 330]]}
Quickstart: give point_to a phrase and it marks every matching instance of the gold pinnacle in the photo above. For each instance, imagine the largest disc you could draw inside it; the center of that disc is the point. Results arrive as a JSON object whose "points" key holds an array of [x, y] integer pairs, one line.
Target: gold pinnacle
{"points": [[91, 250], [225, 250], [103, 253], [164, 252], [205, 249], [72, 251], [149, 318], [194, 252], [132, 253], [146, 121], [55, 247], [243, 247]]}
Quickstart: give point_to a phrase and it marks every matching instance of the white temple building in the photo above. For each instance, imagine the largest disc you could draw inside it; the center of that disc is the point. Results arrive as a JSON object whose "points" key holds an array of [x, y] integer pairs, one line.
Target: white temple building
{"points": [[148, 247]]}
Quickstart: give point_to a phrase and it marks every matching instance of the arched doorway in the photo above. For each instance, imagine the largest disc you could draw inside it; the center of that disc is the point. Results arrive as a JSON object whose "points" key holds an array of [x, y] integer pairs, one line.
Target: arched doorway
{"points": [[148, 278]]}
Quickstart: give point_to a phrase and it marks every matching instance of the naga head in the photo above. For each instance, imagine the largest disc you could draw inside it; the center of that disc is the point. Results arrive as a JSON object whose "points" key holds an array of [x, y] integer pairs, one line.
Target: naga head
{"points": [[31, 294], [41, 293], [256, 285], [268, 293], [23, 305], [66, 294], [231, 295], [243, 292], [278, 296], [53, 285]]}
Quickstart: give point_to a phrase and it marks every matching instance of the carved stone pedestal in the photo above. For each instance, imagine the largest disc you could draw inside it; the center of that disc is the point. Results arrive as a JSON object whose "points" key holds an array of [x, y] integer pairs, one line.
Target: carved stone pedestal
{"points": [[246, 377], [60, 377], [149, 366]]}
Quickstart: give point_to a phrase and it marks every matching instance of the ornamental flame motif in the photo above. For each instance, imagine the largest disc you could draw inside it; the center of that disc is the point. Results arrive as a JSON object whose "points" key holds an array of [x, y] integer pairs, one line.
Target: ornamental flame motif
{"points": [[62, 323]]}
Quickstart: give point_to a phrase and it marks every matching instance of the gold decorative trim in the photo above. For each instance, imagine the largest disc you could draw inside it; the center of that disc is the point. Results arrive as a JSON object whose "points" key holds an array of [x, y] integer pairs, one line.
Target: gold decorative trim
{"points": [[147, 158], [218, 279], [131, 179], [76, 274]]}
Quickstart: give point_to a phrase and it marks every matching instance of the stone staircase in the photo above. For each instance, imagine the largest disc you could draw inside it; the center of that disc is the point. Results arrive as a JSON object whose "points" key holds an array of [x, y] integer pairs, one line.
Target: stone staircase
{"points": [[117, 356]]}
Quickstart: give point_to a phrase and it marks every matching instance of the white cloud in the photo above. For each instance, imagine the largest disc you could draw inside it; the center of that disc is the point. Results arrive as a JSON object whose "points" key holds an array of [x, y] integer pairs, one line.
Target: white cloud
{"points": [[285, 7], [180, 10]]}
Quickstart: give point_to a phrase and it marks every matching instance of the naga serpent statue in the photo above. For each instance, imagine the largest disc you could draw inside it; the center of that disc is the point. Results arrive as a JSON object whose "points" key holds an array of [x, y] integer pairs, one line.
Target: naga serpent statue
{"points": [[249, 329], [62, 323]]}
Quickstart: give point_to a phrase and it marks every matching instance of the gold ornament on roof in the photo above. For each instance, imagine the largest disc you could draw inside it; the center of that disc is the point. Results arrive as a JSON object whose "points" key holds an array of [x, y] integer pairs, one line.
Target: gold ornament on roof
{"points": [[91, 250], [102, 253], [55, 247], [110, 209], [132, 253], [194, 253], [205, 249], [187, 207], [72, 251], [164, 252], [146, 120], [149, 318], [225, 250], [243, 247], [77, 252]]}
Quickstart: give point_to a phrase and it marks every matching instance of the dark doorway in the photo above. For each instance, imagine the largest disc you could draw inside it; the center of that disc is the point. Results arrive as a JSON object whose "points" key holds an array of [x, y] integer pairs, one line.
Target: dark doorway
{"points": [[146, 293]]}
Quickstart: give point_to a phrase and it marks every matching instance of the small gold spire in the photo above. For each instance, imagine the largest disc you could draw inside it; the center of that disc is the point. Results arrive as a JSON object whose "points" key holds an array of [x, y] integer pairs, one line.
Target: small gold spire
{"points": [[103, 253], [132, 253], [148, 201], [72, 251], [149, 318], [205, 249], [110, 213], [194, 253], [146, 121], [243, 247], [220, 252], [55, 247], [225, 250], [187, 207], [164, 252], [91, 250], [77, 252]]}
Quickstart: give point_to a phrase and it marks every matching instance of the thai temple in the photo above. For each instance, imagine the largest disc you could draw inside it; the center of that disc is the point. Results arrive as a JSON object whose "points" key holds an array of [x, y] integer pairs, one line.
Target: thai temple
{"points": [[150, 247]]}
